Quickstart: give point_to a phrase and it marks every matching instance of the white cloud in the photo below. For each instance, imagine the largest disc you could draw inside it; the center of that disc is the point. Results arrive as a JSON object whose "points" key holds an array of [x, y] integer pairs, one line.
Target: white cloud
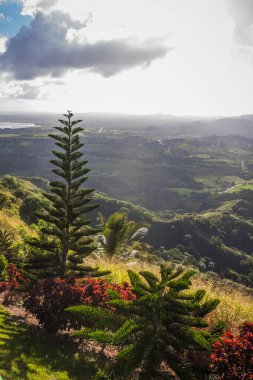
{"points": [[42, 49], [242, 13], [3, 40], [30, 7]]}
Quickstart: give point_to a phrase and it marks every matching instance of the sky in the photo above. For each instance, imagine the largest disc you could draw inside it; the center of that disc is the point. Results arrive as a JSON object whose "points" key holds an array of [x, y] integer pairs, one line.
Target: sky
{"points": [[177, 57]]}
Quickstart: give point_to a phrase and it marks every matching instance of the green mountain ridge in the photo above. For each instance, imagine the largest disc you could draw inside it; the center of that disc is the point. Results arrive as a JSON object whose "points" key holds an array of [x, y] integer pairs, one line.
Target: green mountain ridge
{"points": [[223, 234]]}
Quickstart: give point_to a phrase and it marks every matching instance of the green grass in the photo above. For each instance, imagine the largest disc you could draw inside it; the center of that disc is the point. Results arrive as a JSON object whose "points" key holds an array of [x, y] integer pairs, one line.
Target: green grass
{"points": [[227, 205], [35, 355], [236, 304], [219, 183], [247, 186]]}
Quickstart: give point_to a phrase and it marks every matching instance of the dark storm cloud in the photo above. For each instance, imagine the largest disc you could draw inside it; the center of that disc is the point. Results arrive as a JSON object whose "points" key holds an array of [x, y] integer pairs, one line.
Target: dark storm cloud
{"points": [[42, 49], [242, 13]]}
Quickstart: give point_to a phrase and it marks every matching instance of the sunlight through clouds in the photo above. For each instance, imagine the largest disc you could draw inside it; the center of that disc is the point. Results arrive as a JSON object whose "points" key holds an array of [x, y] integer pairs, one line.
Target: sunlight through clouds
{"points": [[166, 56]]}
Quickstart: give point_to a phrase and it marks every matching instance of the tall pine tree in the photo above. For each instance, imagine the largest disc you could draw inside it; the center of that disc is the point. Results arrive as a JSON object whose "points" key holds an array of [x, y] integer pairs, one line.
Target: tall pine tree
{"points": [[66, 229]]}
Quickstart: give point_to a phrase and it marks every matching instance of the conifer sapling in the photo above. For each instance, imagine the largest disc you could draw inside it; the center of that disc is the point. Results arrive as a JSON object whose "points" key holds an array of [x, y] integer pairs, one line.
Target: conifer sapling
{"points": [[158, 328]]}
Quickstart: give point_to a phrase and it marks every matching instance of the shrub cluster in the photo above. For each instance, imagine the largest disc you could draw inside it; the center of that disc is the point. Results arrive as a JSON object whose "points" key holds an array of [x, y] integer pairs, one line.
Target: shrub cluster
{"points": [[96, 291], [232, 357], [49, 297], [12, 279]]}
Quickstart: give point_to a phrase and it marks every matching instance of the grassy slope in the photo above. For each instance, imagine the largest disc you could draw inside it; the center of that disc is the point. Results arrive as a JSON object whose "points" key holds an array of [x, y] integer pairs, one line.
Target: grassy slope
{"points": [[236, 300], [13, 192], [33, 355]]}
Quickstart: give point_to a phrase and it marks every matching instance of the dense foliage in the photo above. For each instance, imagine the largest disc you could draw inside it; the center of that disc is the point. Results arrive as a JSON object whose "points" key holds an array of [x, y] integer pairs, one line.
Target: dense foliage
{"points": [[217, 241], [49, 297], [10, 281], [232, 357], [96, 291], [160, 326], [6, 239]]}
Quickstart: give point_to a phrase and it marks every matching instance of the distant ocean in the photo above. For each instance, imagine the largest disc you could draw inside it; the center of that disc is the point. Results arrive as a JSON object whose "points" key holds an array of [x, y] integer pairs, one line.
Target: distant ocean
{"points": [[12, 125]]}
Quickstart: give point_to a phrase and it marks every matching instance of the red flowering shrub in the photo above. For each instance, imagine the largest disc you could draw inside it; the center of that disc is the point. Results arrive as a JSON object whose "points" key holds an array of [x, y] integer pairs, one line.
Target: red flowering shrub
{"points": [[48, 299], [95, 291], [12, 281], [232, 357]]}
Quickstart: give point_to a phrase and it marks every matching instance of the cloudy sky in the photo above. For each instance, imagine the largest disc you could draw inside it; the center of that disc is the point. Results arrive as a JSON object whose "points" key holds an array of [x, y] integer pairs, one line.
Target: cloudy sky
{"points": [[181, 57]]}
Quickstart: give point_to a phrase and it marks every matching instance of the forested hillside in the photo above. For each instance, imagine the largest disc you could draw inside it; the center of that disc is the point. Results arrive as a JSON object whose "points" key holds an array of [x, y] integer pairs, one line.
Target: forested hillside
{"points": [[114, 260], [159, 173]]}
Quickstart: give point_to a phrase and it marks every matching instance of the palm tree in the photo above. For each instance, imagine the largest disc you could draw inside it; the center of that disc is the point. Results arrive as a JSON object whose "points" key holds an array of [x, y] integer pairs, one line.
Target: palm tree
{"points": [[119, 235]]}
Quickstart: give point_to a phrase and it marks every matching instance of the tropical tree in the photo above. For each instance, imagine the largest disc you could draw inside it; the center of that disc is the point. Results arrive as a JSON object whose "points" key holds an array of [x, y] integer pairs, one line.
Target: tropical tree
{"points": [[65, 236], [157, 330], [7, 237], [119, 236]]}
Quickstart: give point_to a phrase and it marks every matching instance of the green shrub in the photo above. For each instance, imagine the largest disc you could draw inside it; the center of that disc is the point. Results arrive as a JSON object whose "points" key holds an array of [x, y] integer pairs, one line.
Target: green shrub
{"points": [[3, 264]]}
